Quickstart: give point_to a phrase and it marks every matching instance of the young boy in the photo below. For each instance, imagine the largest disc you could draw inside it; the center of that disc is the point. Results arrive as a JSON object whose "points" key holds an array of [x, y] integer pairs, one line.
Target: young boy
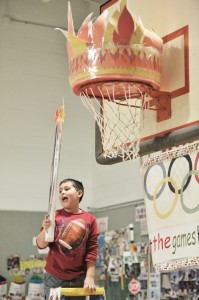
{"points": [[72, 256]]}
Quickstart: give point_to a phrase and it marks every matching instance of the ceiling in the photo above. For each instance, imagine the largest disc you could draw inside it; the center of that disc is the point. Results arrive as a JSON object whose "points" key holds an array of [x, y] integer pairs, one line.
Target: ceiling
{"points": [[50, 13]]}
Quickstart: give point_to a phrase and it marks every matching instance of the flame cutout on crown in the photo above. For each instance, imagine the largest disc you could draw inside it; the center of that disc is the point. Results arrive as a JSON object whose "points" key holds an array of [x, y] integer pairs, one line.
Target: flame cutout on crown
{"points": [[112, 49]]}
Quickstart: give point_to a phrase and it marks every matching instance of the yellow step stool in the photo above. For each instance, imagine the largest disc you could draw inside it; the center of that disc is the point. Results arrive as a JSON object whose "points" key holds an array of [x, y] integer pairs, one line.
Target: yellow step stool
{"points": [[56, 293]]}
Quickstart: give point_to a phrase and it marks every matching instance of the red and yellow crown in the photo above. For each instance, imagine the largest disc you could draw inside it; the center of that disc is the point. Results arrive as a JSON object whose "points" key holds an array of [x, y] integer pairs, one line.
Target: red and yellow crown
{"points": [[112, 49]]}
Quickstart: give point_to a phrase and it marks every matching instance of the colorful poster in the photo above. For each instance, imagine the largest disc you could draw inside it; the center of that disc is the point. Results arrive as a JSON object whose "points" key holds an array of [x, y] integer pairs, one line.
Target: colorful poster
{"points": [[32, 265], [171, 188], [13, 263], [100, 255], [3, 288], [154, 286], [140, 213], [181, 284], [102, 224], [16, 291], [143, 228]]}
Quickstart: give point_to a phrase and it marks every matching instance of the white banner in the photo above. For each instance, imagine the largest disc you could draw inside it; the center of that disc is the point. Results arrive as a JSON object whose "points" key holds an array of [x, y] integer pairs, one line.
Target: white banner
{"points": [[171, 191], [177, 243]]}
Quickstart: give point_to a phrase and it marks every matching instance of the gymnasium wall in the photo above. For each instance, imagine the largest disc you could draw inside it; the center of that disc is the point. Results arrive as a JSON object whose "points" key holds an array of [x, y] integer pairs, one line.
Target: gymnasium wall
{"points": [[17, 231]]}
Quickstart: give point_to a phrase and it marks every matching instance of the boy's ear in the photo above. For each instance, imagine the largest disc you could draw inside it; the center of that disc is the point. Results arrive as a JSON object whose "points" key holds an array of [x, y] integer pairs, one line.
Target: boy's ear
{"points": [[79, 193]]}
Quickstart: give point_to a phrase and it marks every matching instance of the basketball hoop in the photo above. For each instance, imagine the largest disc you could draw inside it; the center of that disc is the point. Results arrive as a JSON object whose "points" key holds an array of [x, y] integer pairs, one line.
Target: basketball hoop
{"points": [[118, 108], [117, 72]]}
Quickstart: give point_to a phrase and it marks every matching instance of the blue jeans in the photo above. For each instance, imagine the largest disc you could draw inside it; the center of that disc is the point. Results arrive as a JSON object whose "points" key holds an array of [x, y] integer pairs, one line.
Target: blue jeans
{"points": [[51, 281]]}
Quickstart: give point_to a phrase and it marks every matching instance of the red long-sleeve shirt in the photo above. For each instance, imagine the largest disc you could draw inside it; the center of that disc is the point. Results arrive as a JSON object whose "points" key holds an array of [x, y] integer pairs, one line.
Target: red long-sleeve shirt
{"points": [[75, 244]]}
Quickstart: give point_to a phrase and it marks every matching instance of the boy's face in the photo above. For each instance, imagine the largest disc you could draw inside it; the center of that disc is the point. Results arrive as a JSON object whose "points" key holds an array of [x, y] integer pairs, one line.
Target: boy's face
{"points": [[69, 197]]}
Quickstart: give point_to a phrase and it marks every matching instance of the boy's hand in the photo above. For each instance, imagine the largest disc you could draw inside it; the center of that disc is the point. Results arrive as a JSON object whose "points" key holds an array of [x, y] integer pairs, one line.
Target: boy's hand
{"points": [[46, 222], [89, 284]]}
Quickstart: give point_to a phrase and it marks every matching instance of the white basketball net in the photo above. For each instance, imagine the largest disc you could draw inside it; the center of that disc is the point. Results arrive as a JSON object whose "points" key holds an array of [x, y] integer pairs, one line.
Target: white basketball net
{"points": [[120, 120]]}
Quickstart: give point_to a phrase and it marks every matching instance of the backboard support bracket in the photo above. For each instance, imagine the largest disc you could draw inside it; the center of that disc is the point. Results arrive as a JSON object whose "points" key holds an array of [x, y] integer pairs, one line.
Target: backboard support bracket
{"points": [[161, 103]]}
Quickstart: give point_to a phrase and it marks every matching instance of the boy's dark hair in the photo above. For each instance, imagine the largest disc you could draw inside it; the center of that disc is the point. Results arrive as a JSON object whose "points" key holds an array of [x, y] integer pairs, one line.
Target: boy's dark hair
{"points": [[78, 185]]}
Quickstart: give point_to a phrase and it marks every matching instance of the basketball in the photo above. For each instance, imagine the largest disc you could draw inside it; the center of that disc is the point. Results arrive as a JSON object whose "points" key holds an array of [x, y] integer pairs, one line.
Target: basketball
{"points": [[72, 234]]}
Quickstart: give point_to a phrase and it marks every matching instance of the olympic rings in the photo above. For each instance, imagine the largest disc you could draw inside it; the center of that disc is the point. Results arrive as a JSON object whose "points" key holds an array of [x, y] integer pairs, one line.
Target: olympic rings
{"points": [[186, 209], [150, 197], [173, 185], [188, 158], [195, 166], [169, 180]]}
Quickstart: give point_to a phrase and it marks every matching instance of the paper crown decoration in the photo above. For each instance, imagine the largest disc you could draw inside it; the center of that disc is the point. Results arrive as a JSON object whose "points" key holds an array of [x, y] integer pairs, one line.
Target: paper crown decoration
{"points": [[112, 49]]}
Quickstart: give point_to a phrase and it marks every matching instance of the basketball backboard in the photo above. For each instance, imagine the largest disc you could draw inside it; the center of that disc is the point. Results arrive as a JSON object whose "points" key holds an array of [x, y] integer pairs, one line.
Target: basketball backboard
{"points": [[176, 22]]}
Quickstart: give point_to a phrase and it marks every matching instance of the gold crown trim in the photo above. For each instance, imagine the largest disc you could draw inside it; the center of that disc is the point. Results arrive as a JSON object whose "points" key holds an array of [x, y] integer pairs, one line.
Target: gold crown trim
{"points": [[140, 72]]}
